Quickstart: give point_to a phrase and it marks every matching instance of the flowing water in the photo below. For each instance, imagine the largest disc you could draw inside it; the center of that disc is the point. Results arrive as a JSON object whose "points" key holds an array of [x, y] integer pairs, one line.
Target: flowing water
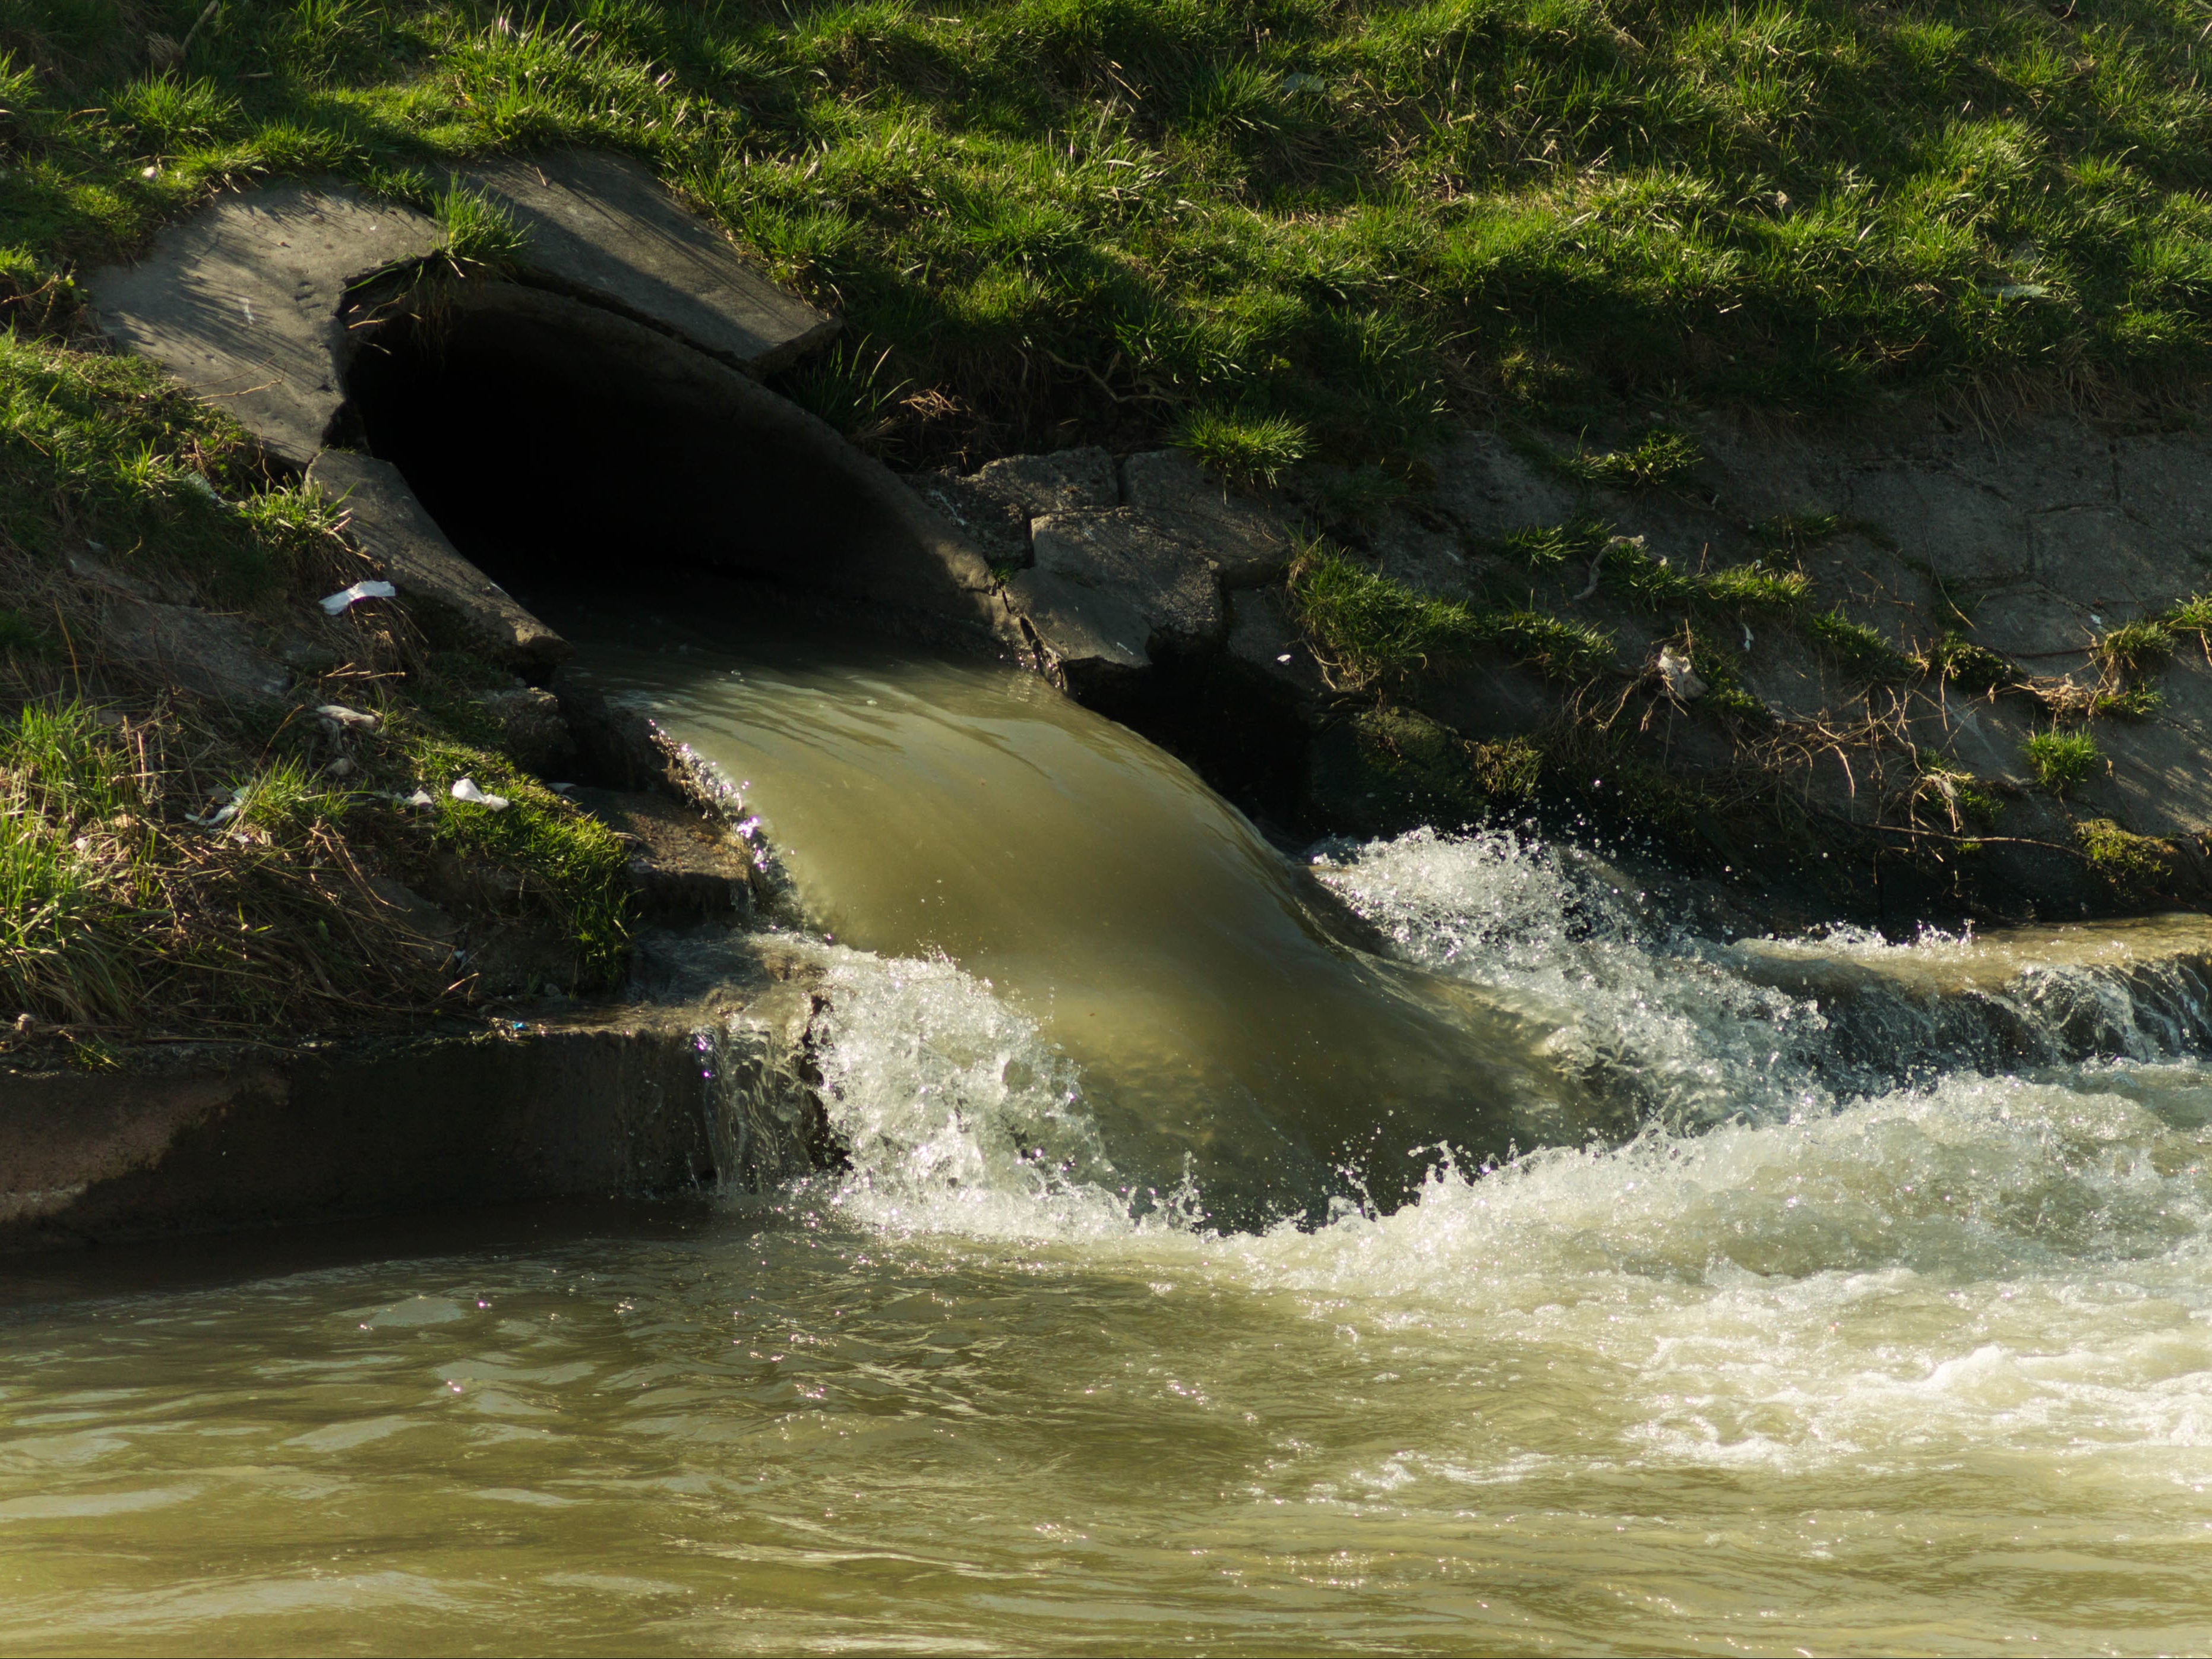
{"points": [[1842, 1296]]}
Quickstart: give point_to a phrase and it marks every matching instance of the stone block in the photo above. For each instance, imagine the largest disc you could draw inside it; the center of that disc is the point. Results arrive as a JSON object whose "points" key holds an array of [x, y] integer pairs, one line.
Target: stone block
{"points": [[1249, 540], [1110, 587], [1067, 481]]}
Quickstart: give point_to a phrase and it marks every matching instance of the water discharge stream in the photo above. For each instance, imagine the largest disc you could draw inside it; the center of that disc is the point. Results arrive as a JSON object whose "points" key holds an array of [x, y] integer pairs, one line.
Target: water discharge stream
{"points": [[1890, 1329]]}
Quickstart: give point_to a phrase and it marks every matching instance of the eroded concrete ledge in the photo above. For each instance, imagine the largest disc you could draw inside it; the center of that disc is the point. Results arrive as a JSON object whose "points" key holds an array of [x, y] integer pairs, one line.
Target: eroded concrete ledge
{"points": [[643, 1101]]}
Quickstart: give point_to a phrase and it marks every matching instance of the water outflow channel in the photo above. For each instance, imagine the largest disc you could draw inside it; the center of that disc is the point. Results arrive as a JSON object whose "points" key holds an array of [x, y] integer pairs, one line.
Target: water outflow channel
{"points": [[1889, 1329]]}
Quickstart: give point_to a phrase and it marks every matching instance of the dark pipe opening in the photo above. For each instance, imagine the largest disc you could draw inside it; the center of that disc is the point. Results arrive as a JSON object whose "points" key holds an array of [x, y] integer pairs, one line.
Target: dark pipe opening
{"points": [[561, 449]]}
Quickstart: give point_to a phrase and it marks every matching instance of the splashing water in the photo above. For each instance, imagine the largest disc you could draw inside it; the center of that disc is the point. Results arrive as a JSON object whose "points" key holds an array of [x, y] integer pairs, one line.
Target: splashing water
{"points": [[1868, 1307]]}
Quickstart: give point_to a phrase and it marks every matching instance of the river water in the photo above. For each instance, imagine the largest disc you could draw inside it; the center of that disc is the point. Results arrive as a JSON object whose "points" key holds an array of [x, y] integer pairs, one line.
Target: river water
{"points": [[1149, 1316]]}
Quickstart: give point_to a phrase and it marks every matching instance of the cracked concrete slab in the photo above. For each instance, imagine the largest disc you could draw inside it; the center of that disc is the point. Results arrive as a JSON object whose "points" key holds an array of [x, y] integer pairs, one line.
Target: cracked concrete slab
{"points": [[241, 302], [1106, 585], [603, 228]]}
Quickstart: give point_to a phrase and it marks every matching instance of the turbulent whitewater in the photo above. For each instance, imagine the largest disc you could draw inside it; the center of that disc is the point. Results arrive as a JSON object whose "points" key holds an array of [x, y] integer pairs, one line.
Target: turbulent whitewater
{"points": [[1835, 1295]]}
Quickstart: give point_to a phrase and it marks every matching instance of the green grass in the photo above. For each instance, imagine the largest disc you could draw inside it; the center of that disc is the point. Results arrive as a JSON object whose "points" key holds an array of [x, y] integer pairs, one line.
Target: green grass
{"points": [[1857, 649], [1660, 456], [1755, 586], [1107, 213], [1547, 547], [478, 230], [2137, 865], [2062, 760], [104, 449], [1239, 447], [572, 867], [2136, 646], [1375, 629], [1972, 668]]}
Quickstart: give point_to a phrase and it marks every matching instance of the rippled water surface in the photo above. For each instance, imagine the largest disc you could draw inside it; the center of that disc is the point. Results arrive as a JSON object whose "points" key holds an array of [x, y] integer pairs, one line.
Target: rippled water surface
{"points": [[1866, 1342]]}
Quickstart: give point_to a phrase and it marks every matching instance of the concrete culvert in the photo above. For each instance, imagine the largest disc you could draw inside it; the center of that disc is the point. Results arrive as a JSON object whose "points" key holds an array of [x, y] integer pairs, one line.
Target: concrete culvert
{"points": [[562, 447]]}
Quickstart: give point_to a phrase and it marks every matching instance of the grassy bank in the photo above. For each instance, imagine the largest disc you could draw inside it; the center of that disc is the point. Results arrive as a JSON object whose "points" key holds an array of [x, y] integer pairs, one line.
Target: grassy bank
{"points": [[175, 861], [1049, 218]]}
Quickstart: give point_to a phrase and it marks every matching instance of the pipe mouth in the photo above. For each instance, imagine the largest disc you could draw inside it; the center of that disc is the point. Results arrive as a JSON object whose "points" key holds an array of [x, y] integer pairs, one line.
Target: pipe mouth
{"points": [[562, 448]]}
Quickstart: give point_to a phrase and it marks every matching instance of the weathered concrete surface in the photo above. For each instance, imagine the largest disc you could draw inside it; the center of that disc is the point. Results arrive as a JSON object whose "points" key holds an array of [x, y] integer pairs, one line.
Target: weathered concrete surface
{"points": [[1110, 589], [603, 230], [241, 302], [219, 1138], [391, 527], [683, 862], [1066, 481], [1248, 537]]}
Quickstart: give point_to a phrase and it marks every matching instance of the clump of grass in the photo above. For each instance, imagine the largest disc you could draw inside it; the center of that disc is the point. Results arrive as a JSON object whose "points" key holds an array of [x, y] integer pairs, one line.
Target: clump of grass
{"points": [[2136, 865], [1748, 586], [1958, 660], [2191, 616], [853, 388], [572, 866], [1241, 446], [2062, 760], [2133, 702], [166, 114], [1966, 801], [1722, 673], [1662, 455], [1509, 769], [2136, 646], [1857, 648], [1547, 547], [1373, 628], [285, 799], [1629, 568], [479, 231]]}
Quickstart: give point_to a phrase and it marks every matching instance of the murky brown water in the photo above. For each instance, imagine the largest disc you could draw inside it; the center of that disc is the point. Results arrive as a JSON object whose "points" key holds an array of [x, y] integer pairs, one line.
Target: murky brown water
{"points": [[1818, 1363]]}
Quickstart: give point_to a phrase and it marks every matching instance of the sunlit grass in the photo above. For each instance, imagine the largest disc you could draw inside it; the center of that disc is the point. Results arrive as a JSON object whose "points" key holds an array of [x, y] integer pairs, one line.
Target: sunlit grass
{"points": [[1347, 220]]}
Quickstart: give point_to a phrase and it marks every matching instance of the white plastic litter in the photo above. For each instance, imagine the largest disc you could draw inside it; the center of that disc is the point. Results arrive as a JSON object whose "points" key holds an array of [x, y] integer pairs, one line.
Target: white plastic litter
{"points": [[420, 798], [218, 815], [337, 716], [1682, 681], [344, 597], [466, 789]]}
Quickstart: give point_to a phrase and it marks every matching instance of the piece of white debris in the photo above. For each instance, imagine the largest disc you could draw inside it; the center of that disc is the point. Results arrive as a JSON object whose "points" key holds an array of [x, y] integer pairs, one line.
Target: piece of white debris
{"points": [[1286, 657], [215, 816], [344, 597], [1681, 680], [150, 172], [420, 798], [465, 789], [1746, 636], [335, 716]]}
